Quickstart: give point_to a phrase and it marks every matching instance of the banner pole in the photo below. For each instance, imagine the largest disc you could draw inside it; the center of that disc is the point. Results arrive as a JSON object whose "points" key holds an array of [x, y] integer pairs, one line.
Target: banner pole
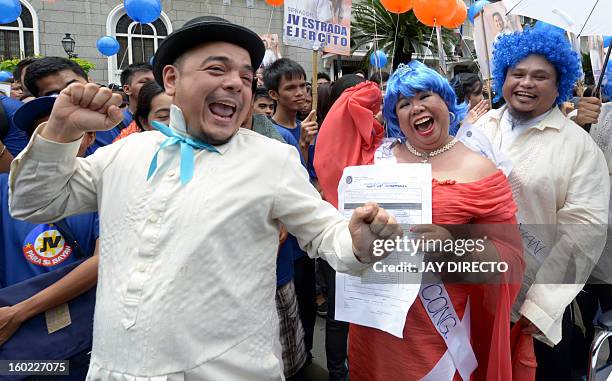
{"points": [[441, 52], [486, 46], [315, 77]]}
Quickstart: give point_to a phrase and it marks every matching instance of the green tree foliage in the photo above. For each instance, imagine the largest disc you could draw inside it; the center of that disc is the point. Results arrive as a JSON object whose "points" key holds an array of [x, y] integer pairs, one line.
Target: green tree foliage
{"points": [[372, 22], [10, 64]]}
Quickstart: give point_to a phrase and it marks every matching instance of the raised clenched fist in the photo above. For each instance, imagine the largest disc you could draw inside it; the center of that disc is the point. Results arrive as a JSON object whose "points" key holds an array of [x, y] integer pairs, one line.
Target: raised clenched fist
{"points": [[80, 108]]}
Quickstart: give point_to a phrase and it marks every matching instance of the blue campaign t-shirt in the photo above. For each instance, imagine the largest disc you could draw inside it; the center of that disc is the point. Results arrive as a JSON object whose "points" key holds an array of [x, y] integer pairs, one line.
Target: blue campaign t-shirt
{"points": [[291, 247], [289, 138], [295, 134], [15, 140], [28, 250], [128, 117], [284, 265], [104, 138]]}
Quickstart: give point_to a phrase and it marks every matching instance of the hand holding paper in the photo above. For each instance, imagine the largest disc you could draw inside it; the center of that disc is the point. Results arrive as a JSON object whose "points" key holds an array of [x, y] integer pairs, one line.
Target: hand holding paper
{"points": [[376, 299], [431, 232], [369, 223]]}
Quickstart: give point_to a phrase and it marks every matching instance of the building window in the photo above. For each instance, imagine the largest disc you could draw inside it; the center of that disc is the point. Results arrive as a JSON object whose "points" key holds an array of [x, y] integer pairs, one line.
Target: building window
{"points": [[19, 39], [138, 42]]}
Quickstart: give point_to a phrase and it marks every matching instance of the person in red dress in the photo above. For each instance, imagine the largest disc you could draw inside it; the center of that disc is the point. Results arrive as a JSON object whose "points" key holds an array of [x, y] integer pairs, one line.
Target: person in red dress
{"points": [[467, 189]]}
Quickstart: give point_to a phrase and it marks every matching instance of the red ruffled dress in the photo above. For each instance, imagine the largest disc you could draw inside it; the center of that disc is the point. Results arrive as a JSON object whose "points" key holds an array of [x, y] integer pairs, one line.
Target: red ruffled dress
{"points": [[351, 136], [376, 355]]}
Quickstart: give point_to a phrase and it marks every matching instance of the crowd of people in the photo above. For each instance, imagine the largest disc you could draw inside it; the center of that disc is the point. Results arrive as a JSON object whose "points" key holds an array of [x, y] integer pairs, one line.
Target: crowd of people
{"points": [[202, 200]]}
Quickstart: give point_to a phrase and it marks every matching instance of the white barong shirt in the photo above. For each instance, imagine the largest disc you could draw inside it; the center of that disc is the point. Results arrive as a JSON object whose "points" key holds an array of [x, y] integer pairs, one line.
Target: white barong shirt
{"points": [[187, 272], [561, 186]]}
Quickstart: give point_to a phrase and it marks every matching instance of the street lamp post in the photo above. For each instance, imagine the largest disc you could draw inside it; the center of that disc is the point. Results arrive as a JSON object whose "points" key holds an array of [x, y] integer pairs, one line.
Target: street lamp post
{"points": [[68, 45]]}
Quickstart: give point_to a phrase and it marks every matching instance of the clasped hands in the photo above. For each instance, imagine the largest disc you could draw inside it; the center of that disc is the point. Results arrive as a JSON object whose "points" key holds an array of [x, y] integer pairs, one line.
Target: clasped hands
{"points": [[371, 222]]}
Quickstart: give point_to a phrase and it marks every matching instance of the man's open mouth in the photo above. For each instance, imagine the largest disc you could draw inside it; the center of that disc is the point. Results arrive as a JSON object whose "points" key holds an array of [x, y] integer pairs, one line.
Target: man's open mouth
{"points": [[223, 109], [523, 95]]}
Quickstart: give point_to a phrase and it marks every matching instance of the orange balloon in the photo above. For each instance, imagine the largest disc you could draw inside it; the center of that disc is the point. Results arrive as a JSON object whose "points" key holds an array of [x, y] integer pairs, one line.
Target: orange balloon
{"points": [[397, 6], [432, 12], [448, 16], [458, 18], [275, 3]]}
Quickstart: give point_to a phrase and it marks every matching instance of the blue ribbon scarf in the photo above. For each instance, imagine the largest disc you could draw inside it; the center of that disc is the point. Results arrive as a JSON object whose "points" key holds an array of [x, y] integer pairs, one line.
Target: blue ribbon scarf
{"points": [[187, 145]]}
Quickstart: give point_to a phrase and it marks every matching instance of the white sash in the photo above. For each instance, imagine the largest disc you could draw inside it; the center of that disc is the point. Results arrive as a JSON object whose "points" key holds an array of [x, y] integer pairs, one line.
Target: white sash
{"points": [[455, 332]]}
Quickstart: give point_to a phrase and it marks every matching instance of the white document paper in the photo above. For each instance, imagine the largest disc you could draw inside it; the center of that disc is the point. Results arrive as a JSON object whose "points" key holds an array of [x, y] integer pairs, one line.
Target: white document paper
{"points": [[382, 299]]}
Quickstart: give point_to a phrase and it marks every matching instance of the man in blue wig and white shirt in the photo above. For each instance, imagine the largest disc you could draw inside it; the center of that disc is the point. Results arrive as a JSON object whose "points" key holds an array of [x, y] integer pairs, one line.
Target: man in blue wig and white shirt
{"points": [[559, 181]]}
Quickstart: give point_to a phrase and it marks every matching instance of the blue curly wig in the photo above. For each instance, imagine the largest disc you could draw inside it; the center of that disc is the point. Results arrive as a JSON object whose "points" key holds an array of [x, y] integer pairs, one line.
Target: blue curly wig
{"points": [[413, 78], [510, 49]]}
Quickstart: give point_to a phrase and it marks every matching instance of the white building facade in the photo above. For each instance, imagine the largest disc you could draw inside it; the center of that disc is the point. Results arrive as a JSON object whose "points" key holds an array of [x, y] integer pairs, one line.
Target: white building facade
{"points": [[43, 23]]}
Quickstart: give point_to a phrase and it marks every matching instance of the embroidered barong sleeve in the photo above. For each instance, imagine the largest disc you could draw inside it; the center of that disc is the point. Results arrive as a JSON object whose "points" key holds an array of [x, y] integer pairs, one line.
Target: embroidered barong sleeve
{"points": [[318, 226], [48, 182], [580, 239]]}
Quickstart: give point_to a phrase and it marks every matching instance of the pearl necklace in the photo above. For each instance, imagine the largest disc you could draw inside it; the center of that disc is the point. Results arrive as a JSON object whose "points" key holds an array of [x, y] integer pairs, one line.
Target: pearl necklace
{"points": [[426, 156]]}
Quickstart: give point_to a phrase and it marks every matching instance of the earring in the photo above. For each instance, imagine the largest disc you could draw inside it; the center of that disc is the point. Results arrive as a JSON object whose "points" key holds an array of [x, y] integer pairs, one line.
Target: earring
{"points": [[452, 117]]}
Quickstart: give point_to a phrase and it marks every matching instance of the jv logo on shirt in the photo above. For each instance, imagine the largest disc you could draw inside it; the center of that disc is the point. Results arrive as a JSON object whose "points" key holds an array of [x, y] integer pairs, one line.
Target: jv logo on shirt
{"points": [[45, 246]]}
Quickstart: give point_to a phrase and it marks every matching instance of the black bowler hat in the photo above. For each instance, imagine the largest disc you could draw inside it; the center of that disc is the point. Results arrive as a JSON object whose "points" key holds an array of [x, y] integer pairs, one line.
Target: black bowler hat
{"points": [[201, 30]]}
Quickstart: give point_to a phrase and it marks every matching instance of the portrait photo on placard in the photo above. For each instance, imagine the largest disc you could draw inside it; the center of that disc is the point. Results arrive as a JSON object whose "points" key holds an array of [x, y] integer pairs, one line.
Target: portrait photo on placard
{"points": [[488, 26], [497, 22]]}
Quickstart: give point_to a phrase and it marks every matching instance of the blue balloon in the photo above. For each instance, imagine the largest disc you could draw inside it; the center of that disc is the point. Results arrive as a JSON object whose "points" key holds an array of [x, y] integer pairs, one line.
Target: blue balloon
{"points": [[546, 27], [378, 59], [9, 11], [143, 11], [607, 40], [5, 76], [476, 8], [107, 45]]}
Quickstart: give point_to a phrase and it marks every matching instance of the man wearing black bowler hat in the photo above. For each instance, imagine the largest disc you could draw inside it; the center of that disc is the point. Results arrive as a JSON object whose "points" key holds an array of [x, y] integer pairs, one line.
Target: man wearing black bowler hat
{"points": [[189, 215]]}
